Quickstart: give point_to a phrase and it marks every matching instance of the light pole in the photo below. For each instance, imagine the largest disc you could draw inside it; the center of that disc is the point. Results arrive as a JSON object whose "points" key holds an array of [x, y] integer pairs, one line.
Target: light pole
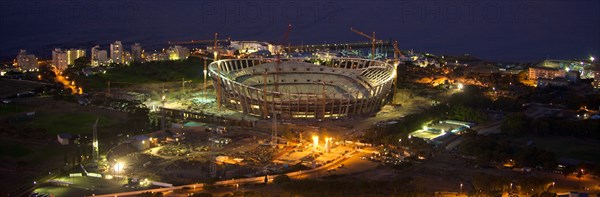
{"points": [[461, 187], [591, 58], [204, 88]]}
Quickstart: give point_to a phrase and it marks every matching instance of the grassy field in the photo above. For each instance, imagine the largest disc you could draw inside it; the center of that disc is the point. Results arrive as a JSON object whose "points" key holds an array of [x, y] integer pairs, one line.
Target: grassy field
{"points": [[70, 122], [570, 147], [149, 72]]}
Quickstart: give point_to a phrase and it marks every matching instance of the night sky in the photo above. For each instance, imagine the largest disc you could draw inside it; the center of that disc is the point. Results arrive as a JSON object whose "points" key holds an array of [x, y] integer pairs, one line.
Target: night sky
{"points": [[494, 30]]}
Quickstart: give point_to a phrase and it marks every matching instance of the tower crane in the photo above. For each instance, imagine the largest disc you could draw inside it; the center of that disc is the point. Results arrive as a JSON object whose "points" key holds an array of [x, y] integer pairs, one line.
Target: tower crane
{"points": [[278, 58], [216, 57], [372, 38], [397, 54]]}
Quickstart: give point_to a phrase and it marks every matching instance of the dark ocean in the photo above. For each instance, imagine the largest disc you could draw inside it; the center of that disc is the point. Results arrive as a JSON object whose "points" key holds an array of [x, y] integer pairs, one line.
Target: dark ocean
{"points": [[510, 30]]}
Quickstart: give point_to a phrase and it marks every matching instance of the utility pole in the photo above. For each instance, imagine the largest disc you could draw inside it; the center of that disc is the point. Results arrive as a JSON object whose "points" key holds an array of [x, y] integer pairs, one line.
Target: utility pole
{"points": [[108, 87], [183, 85]]}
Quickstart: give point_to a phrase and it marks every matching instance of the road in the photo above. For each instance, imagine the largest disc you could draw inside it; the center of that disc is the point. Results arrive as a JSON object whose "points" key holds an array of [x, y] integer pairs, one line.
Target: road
{"points": [[312, 173]]}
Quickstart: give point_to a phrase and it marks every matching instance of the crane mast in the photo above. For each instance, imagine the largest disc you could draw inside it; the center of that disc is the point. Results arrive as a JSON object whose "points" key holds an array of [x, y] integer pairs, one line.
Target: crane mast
{"points": [[278, 59], [216, 57]]}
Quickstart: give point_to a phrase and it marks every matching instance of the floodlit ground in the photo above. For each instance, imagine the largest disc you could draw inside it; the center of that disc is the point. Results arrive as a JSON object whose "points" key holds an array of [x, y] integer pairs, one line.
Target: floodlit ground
{"points": [[305, 154], [425, 134], [190, 158]]}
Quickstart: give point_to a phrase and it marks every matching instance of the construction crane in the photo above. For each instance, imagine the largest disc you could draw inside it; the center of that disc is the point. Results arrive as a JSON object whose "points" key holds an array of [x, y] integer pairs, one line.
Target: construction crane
{"points": [[397, 54], [215, 49], [216, 57], [372, 38], [276, 82], [278, 58]]}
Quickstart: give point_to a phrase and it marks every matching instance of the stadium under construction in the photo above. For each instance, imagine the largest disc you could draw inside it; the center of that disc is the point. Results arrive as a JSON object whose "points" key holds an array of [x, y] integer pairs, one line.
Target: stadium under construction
{"points": [[302, 88]]}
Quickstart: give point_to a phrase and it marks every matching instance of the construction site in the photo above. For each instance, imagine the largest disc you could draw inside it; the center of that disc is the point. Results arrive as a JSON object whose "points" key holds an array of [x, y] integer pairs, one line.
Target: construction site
{"points": [[241, 118]]}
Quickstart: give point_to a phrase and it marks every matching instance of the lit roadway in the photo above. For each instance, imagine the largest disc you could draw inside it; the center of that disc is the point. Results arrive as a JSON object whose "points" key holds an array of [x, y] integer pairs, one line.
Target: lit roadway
{"points": [[316, 172]]}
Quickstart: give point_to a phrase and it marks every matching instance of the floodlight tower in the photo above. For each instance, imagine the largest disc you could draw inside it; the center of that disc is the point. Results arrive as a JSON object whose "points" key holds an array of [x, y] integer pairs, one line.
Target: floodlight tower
{"points": [[95, 141], [205, 72]]}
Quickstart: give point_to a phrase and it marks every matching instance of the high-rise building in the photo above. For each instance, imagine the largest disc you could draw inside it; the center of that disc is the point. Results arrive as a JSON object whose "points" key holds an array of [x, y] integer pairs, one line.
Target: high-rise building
{"points": [[59, 59], [73, 54], [99, 57], [27, 62], [116, 52], [127, 58], [63, 58], [136, 52]]}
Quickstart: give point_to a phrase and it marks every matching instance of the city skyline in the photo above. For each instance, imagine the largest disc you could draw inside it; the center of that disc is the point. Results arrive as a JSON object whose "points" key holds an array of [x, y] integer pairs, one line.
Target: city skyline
{"points": [[500, 31]]}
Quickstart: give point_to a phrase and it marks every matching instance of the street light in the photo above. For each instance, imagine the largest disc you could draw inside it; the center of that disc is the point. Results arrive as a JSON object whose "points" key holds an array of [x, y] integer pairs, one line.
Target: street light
{"points": [[461, 187], [591, 58]]}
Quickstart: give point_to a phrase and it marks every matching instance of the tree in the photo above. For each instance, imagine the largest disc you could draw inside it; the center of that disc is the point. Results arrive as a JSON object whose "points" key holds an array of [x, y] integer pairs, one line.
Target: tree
{"points": [[281, 179], [490, 185], [514, 124], [81, 62], [545, 194], [463, 113]]}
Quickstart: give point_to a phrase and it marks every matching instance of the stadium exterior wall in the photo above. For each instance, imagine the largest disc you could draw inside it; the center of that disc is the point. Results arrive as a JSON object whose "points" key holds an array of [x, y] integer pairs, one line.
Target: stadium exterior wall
{"points": [[376, 77]]}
